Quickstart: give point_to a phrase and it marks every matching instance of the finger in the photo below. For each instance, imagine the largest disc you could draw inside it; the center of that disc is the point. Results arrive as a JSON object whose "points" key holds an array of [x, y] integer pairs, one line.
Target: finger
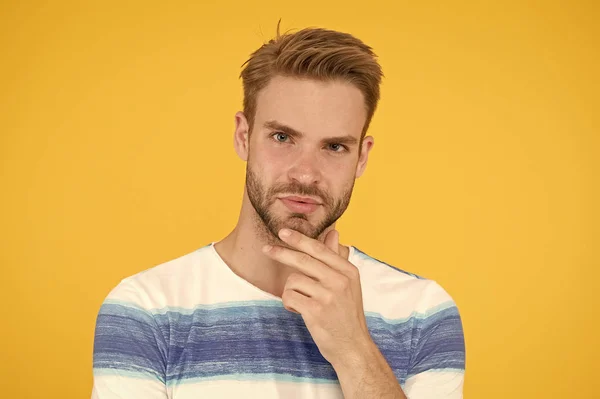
{"points": [[306, 286], [296, 302], [317, 250], [302, 262], [332, 241]]}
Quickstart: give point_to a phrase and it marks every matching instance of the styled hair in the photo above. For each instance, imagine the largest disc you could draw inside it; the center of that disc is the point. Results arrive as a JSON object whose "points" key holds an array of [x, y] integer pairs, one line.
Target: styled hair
{"points": [[313, 53]]}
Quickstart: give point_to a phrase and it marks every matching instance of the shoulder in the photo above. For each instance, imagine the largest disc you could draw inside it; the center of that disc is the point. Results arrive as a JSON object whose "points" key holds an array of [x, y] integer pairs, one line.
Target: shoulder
{"points": [[398, 293], [158, 286]]}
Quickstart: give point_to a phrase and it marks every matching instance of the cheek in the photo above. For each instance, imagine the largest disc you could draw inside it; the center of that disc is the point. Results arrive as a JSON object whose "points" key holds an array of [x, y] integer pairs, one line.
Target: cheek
{"points": [[345, 179], [270, 168], [344, 169], [275, 161]]}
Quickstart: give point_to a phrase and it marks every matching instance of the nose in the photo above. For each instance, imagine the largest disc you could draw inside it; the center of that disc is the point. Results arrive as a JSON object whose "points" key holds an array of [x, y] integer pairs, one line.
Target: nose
{"points": [[306, 169]]}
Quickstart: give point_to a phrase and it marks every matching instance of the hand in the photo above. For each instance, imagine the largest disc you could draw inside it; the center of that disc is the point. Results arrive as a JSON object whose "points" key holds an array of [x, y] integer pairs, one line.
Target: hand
{"points": [[326, 292]]}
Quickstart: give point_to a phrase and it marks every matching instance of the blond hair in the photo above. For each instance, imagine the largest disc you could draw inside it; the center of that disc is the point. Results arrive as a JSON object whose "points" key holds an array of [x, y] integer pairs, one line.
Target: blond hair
{"points": [[313, 53]]}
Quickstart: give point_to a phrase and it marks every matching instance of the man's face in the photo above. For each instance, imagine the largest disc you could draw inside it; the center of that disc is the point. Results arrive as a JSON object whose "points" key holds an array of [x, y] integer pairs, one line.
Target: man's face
{"points": [[304, 142]]}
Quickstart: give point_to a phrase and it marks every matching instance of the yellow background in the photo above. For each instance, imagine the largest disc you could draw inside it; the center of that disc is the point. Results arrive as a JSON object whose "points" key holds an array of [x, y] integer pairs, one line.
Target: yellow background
{"points": [[116, 124]]}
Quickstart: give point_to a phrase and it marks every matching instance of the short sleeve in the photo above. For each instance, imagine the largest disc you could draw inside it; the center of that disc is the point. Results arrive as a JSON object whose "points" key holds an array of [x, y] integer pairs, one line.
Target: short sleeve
{"points": [[129, 359], [437, 364]]}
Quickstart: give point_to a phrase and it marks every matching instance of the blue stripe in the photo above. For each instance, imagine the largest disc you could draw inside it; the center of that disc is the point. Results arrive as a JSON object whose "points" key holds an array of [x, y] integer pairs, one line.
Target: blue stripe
{"points": [[439, 343], [264, 303], [128, 339], [258, 340]]}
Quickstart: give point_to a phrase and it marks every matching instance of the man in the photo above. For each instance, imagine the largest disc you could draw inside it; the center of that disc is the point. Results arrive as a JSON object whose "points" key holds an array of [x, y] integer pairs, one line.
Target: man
{"points": [[279, 308]]}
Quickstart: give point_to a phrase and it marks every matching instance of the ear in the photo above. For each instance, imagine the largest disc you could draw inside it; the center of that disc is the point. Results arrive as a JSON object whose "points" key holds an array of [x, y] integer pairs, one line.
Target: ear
{"points": [[367, 146], [240, 137]]}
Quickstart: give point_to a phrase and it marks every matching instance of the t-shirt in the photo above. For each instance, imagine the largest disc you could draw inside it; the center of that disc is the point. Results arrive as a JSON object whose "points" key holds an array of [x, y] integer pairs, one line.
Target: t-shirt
{"points": [[192, 328]]}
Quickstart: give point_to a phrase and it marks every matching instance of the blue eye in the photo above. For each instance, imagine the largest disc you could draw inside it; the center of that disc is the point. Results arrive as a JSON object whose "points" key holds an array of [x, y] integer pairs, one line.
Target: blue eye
{"points": [[279, 134], [335, 147], [344, 148]]}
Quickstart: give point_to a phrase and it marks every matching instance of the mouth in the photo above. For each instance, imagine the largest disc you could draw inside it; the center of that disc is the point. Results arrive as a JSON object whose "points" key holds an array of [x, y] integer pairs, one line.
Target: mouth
{"points": [[299, 206], [302, 200]]}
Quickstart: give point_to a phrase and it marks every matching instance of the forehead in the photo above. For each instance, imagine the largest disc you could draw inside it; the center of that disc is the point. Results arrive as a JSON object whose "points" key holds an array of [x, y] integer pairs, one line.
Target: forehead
{"points": [[311, 106]]}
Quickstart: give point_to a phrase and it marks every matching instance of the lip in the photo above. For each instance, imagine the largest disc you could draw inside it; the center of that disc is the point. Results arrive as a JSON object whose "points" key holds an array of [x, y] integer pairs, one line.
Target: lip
{"points": [[296, 198], [299, 207]]}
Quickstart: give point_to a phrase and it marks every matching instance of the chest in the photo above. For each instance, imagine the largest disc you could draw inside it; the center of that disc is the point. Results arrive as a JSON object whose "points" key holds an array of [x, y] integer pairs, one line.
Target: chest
{"points": [[257, 351]]}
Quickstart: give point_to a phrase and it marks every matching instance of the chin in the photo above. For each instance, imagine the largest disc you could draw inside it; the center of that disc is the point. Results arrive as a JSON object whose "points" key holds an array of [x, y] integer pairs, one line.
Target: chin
{"points": [[304, 223]]}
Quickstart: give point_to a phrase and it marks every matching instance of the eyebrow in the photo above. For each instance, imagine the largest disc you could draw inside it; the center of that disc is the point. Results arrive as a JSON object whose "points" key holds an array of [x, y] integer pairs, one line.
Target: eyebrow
{"points": [[290, 131]]}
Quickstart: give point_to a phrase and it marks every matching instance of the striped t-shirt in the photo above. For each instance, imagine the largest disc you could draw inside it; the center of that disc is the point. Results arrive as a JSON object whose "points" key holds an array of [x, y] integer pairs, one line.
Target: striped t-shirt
{"points": [[192, 328]]}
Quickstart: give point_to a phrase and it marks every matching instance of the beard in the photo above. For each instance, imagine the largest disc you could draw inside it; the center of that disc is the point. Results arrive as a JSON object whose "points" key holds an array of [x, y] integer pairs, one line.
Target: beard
{"points": [[268, 223]]}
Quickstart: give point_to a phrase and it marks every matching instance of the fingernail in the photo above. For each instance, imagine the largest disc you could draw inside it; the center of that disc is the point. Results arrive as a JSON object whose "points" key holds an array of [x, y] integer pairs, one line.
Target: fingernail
{"points": [[285, 233]]}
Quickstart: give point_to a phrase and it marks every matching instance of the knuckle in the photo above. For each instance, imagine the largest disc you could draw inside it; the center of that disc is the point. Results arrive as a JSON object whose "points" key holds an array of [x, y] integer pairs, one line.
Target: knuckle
{"points": [[354, 273], [292, 278], [320, 247], [304, 259], [340, 283], [344, 282], [286, 296], [328, 298]]}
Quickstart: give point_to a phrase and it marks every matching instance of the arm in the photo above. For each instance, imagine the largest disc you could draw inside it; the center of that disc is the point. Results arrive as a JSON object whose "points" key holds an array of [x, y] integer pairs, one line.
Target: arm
{"points": [[368, 376], [327, 293], [437, 363], [129, 350]]}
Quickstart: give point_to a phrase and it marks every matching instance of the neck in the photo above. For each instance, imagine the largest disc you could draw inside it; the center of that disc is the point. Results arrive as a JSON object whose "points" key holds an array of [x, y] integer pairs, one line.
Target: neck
{"points": [[241, 250]]}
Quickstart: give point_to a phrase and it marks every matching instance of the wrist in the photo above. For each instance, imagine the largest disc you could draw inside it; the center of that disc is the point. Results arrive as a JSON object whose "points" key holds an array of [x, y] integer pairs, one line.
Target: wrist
{"points": [[357, 359]]}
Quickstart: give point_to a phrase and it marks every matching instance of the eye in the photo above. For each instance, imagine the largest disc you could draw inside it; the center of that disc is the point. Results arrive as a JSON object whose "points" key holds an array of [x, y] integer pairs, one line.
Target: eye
{"points": [[281, 138], [336, 146], [279, 134]]}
